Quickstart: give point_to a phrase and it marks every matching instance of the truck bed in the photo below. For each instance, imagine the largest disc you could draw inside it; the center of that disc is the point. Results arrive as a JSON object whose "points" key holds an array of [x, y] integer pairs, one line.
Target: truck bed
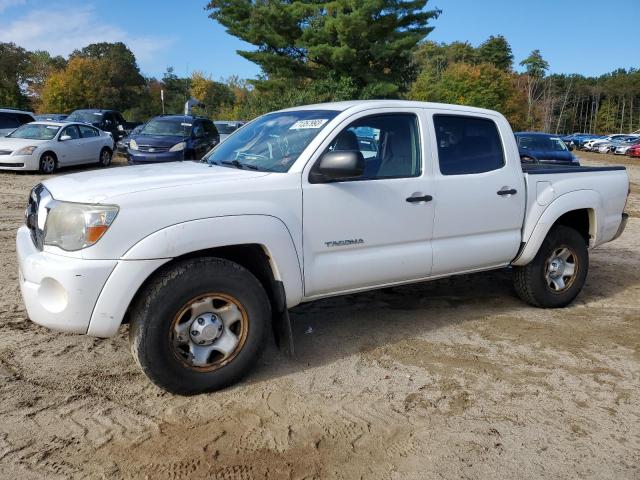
{"points": [[542, 169]]}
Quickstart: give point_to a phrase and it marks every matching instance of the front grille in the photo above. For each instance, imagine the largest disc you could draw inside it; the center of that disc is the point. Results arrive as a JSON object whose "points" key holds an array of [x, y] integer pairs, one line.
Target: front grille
{"points": [[152, 149], [36, 213], [5, 152]]}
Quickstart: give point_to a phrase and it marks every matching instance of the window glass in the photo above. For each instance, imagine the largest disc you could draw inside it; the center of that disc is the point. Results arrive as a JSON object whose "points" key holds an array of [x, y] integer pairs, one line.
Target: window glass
{"points": [[7, 120], [87, 132], [389, 144], [72, 131], [467, 145], [210, 128], [23, 118], [198, 130]]}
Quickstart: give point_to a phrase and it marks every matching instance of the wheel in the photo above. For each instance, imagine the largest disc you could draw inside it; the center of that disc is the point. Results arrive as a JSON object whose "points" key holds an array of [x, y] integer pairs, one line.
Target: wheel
{"points": [[199, 325], [48, 163], [105, 157], [557, 274]]}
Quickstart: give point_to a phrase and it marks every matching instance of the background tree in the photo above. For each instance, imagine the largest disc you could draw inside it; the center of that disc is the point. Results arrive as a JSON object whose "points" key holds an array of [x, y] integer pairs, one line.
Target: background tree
{"points": [[13, 64], [365, 43], [496, 51], [536, 68]]}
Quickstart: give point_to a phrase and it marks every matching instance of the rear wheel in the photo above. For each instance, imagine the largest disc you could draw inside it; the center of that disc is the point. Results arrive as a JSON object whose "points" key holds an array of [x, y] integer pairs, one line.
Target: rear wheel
{"points": [[199, 325], [48, 163], [557, 273], [105, 157]]}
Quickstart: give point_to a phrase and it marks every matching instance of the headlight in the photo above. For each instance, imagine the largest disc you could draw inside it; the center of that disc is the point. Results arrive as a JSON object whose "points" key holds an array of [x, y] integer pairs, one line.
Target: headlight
{"points": [[133, 145], [25, 151], [178, 147], [73, 226]]}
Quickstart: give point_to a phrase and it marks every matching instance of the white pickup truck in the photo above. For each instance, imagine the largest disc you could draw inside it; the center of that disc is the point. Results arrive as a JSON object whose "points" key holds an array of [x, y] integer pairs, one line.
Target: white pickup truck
{"points": [[202, 259]]}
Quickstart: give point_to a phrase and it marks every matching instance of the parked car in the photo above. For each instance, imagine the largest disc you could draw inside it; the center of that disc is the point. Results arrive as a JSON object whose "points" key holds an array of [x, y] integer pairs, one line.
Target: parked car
{"points": [[537, 147], [123, 144], [593, 144], [46, 146], [634, 151], [623, 149], [10, 119], [110, 121], [579, 140], [226, 128], [203, 259], [170, 138], [51, 117]]}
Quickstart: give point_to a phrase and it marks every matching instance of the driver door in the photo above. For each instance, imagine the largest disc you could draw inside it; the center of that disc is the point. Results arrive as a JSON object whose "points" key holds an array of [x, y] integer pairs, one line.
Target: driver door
{"points": [[70, 151], [372, 230]]}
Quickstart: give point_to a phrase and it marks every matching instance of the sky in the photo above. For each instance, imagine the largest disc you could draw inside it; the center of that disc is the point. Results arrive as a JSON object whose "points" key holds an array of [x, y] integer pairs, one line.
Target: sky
{"points": [[575, 36]]}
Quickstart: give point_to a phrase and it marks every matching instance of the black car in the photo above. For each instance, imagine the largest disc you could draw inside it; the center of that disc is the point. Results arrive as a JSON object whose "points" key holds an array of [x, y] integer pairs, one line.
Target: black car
{"points": [[535, 147], [110, 121], [169, 138]]}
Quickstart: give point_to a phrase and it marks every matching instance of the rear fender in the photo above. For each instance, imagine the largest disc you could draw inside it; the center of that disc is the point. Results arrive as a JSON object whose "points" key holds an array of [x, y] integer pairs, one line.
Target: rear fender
{"points": [[577, 200]]}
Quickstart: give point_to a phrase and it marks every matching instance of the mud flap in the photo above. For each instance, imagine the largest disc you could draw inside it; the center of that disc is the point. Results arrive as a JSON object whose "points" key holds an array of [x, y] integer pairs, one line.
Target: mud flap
{"points": [[281, 323]]}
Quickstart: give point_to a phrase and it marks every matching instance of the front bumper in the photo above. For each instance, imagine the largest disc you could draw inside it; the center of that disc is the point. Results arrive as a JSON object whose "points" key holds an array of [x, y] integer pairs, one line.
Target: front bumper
{"points": [[59, 292], [19, 162], [77, 295], [136, 157]]}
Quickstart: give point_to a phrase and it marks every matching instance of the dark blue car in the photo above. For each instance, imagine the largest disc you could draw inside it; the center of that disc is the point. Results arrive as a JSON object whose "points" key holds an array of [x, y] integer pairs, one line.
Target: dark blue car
{"points": [[544, 148], [170, 138]]}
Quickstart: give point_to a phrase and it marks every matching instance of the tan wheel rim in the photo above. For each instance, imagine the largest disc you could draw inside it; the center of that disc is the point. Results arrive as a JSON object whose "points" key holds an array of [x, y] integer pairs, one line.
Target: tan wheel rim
{"points": [[209, 331], [561, 269]]}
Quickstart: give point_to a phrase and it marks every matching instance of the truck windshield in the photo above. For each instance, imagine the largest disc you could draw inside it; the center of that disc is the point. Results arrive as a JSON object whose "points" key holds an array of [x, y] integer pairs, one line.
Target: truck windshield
{"points": [[271, 143]]}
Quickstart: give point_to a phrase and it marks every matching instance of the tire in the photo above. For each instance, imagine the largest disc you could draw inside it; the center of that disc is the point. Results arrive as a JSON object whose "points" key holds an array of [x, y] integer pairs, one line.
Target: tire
{"points": [[48, 163], [105, 157], [165, 317], [545, 282]]}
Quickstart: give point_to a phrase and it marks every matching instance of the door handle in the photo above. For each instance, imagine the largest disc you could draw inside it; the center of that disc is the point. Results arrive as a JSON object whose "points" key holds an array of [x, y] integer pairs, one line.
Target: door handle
{"points": [[424, 198], [511, 191]]}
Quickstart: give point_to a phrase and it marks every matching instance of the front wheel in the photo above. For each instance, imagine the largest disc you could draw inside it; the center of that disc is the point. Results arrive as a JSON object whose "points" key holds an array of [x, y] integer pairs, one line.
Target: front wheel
{"points": [[199, 325], [48, 163], [556, 275]]}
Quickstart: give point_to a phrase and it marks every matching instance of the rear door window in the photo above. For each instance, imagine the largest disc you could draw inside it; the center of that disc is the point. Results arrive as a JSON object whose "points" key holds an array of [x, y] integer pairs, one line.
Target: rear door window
{"points": [[467, 145]]}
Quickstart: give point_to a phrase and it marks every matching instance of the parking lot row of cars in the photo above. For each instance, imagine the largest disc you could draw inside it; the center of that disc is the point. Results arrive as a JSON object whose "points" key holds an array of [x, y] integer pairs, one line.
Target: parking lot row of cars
{"points": [[618, 144], [94, 135]]}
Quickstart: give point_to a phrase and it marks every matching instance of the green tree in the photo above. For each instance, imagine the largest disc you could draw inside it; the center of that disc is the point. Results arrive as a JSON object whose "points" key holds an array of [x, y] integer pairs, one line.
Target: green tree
{"points": [[535, 65], [118, 79], [13, 64], [213, 94], [536, 68], [497, 52], [482, 85], [367, 43], [40, 65]]}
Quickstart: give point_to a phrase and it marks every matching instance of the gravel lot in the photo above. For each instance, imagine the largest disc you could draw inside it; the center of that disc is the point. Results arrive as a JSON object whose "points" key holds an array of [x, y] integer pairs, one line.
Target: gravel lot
{"points": [[450, 379]]}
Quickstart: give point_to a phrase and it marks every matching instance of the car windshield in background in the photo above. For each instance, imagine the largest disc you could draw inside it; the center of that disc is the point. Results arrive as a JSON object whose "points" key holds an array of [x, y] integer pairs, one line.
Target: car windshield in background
{"points": [[271, 143], [225, 128], [32, 131], [84, 117], [167, 128]]}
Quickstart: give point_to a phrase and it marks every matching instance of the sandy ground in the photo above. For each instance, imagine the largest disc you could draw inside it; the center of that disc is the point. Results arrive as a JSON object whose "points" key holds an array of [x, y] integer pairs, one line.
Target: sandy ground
{"points": [[450, 379]]}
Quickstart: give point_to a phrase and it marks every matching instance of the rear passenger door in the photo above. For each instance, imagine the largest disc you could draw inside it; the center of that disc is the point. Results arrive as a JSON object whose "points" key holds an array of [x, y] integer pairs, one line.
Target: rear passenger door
{"points": [[478, 191]]}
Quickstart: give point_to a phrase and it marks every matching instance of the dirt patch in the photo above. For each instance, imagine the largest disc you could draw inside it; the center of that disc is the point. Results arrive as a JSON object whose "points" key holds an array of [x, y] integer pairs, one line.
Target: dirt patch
{"points": [[449, 379]]}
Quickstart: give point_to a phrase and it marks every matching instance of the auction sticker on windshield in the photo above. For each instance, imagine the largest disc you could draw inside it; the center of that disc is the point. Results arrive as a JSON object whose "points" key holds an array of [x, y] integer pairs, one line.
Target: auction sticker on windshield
{"points": [[315, 123]]}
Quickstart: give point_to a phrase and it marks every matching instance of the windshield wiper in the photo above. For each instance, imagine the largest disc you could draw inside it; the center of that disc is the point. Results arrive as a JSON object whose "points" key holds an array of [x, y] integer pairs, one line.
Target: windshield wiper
{"points": [[238, 164]]}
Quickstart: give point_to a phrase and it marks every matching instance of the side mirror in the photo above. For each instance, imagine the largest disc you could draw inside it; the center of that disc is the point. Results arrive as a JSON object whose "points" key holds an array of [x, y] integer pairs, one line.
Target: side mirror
{"points": [[527, 159], [337, 166], [64, 138]]}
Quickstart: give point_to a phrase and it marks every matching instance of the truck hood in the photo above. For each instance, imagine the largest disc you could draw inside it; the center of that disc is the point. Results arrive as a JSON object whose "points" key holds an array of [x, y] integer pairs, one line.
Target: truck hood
{"points": [[100, 186]]}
